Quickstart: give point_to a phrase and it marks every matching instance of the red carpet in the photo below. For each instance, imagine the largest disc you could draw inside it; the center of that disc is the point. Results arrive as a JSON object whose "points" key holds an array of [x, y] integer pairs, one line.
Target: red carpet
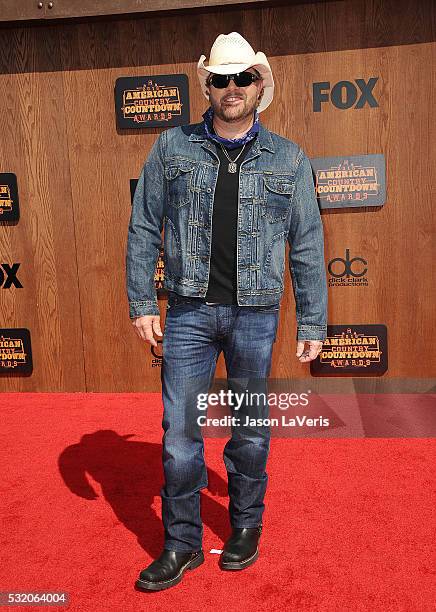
{"points": [[349, 523]]}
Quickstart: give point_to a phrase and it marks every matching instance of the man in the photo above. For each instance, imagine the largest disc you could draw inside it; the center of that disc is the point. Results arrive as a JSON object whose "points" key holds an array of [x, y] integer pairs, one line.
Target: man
{"points": [[229, 194]]}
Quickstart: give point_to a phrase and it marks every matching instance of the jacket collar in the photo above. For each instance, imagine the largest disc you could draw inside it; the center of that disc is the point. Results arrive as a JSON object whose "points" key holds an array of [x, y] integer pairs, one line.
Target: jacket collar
{"points": [[263, 140]]}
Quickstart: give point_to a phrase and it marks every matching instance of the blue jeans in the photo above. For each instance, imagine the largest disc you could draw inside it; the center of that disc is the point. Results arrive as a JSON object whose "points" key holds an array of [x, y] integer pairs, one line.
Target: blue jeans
{"points": [[195, 333]]}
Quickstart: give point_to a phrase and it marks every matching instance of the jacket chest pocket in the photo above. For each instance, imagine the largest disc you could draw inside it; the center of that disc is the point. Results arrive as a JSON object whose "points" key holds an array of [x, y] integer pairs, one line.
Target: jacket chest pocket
{"points": [[178, 174], [278, 192]]}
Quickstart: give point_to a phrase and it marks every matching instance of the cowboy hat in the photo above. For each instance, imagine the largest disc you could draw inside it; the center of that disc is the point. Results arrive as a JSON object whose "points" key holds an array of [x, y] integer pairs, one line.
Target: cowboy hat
{"points": [[231, 53]]}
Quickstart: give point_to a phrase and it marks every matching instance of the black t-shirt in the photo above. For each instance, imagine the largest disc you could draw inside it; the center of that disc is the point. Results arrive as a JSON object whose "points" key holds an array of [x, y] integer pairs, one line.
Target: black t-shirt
{"points": [[222, 276]]}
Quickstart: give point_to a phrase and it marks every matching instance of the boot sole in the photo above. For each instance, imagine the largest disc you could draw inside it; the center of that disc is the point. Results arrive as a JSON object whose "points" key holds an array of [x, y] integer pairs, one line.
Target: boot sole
{"points": [[166, 584], [239, 565]]}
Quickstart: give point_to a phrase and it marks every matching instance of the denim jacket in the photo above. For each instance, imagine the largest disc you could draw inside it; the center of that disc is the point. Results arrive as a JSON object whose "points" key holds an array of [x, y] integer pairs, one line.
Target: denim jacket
{"points": [[276, 204]]}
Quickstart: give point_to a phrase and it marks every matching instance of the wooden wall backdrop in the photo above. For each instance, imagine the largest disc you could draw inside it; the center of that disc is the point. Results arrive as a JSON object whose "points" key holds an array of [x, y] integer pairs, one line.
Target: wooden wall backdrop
{"points": [[58, 134]]}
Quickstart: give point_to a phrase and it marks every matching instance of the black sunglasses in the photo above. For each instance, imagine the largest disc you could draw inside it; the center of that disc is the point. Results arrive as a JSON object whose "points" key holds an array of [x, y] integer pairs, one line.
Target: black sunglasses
{"points": [[241, 79]]}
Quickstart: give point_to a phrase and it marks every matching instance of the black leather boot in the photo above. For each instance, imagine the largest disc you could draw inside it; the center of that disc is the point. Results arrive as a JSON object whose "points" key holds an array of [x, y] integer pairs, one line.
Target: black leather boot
{"points": [[168, 569], [241, 549]]}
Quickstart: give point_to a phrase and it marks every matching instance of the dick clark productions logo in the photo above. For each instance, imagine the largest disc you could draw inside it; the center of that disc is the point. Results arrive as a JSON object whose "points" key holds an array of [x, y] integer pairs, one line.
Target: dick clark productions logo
{"points": [[348, 271]]}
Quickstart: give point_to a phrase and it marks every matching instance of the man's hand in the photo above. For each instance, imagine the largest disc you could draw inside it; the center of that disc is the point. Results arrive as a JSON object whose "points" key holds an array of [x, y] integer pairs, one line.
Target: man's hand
{"points": [[145, 326], [311, 353]]}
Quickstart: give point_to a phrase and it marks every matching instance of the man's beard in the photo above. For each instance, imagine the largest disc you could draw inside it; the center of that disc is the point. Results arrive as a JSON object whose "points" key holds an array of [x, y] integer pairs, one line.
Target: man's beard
{"points": [[230, 114]]}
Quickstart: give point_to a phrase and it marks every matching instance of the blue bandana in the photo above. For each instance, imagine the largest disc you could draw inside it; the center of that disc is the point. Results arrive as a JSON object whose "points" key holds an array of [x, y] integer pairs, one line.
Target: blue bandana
{"points": [[229, 143]]}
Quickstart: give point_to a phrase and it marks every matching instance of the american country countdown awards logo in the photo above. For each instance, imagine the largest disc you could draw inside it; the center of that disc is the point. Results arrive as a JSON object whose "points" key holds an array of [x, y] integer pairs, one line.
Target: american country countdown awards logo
{"points": [[351, 181], [9, 209], [155, 101], [352, 349], [347, 271], [160, 264], [15, 351]]}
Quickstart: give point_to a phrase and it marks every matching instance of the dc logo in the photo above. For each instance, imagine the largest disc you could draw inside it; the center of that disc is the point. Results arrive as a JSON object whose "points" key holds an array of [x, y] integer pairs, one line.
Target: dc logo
{"points": [[339, 267], [157, 350]]}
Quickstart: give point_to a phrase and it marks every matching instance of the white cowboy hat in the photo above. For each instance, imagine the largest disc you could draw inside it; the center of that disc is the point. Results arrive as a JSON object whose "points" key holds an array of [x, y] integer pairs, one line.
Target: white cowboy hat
{"points": [[231, 53]]}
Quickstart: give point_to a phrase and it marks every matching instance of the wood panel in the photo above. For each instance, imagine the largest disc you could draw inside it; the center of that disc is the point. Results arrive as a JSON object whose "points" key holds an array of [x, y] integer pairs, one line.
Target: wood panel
{"points": [[21, 10], [59, 135], [34, 146], [396, 239]]}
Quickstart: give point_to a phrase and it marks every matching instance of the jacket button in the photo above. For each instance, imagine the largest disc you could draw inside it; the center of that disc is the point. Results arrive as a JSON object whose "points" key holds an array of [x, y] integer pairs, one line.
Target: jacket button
{"points": [[208, 190]]}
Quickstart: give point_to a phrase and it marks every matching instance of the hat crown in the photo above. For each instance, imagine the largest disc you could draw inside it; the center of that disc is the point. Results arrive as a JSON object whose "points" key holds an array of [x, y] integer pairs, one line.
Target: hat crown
{"points": [[231, 49]]}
